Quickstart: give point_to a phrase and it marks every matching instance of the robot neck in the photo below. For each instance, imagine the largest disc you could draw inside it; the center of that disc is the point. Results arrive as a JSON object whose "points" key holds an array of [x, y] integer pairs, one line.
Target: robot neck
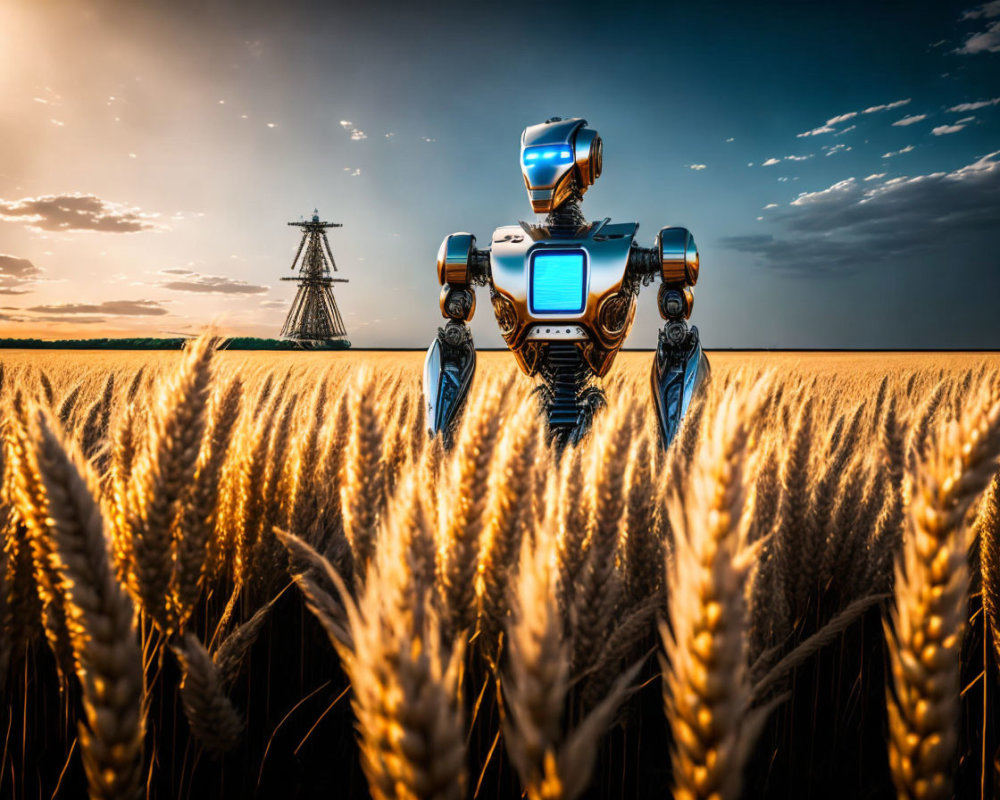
{"points": [[567, 218]]}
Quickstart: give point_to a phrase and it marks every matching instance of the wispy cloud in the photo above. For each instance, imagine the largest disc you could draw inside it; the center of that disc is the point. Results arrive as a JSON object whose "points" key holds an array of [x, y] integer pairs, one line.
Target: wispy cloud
{"points": [[695, 167], [845, 130], [975, 106], [17, 275], [886, 106], [116, 308], [353, 171], [828, 126], [910, 120], [837, 148], [944, 130], [356, 134], [798, 158], [815, 131], [875, 176], [76, 212], [842, 118], [771, 162], [893, 153], [185, 280]]}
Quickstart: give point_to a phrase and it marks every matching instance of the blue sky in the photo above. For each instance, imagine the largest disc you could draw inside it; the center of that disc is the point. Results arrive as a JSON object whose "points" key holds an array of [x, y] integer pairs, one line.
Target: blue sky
{"points": [[153, 154]]}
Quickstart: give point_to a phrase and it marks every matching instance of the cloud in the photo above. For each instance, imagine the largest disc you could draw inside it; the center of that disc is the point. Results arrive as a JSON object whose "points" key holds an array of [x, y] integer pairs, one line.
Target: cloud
{"points": [[428, 139], [815, 131], [910, 120], [798, 158], [188, 281], [770, 205], [975, 106], [853, 225], [837, 148], [842, 118], [906, 149], [985, 11], [113, 308], [771, 162], [944, 130], [886, 107], [875, 176], [357, 136], [75, 212], [353, 172], [16, 274], [273, 304], [389, 135], [827, 127], [845, 130], [695, 167], [987, 41]]}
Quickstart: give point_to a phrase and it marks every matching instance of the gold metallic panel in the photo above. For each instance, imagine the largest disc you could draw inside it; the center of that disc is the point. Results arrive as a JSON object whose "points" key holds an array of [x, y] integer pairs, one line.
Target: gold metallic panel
{"points": [[608, 314], [688, 301], [678, 256], [453, 259]]}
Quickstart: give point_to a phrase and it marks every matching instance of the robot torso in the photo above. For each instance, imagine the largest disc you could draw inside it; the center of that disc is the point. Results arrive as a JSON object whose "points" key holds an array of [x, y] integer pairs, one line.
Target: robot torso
{"points": [[562, 288]]}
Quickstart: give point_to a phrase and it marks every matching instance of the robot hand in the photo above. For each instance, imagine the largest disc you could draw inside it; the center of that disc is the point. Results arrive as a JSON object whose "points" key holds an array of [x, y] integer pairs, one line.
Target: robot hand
{"points": [[679, 366]]}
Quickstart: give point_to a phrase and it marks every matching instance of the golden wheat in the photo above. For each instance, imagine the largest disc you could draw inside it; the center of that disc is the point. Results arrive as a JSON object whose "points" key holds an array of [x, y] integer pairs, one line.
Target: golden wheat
{"points": [[492, 603]]}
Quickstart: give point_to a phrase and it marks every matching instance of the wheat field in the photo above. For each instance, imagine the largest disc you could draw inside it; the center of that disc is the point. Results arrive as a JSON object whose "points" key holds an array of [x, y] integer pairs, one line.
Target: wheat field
{"points": [[240, 575]]}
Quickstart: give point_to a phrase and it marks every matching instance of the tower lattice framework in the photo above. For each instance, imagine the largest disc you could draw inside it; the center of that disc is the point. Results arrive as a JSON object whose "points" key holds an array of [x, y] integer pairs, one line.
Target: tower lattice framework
{"points": [[314, 316]]}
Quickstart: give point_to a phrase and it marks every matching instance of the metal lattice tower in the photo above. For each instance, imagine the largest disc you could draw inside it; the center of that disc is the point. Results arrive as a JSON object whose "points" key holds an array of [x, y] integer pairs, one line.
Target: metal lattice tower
{"points": [[314, 316]]}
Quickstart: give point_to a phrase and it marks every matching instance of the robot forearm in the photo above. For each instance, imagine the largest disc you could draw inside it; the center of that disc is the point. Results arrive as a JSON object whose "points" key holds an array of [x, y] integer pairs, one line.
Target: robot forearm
{"points": [[679, 366], [451, 359]]}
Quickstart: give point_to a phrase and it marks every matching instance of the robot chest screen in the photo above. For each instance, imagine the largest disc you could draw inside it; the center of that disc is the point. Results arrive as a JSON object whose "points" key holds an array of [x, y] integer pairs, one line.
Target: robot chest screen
{"points": [[557, 282]]}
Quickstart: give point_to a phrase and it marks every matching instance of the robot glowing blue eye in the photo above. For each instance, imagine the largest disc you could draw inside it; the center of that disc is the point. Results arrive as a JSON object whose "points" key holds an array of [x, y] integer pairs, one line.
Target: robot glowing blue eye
{"points": [[550, 155]]}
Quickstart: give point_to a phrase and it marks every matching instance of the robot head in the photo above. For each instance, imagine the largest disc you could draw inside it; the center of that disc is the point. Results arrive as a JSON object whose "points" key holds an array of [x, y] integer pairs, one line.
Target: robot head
{"points": [[558, 157]]}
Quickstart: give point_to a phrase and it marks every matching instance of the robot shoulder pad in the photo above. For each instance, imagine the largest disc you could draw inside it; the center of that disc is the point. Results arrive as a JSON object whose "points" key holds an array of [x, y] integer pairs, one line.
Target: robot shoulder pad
{"points": [[453, 258], [679, 260]]}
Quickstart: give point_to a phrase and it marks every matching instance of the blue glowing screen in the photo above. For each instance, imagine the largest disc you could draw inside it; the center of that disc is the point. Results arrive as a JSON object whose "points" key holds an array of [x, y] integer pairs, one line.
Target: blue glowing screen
{"points": [[548, 154], [558, 282]]}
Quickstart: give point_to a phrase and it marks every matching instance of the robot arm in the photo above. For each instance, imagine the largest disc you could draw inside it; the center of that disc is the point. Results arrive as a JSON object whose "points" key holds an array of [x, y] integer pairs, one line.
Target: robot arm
{"points": [[680, 366], [451, 358]]}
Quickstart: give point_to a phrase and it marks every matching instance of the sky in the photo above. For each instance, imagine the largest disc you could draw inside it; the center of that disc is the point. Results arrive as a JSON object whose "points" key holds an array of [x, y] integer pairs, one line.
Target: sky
{"points": [[838, 163]]}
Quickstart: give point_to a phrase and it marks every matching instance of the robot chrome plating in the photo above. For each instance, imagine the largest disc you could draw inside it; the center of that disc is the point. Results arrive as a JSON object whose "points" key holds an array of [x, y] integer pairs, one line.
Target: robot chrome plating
{"points": [[564, 294]]}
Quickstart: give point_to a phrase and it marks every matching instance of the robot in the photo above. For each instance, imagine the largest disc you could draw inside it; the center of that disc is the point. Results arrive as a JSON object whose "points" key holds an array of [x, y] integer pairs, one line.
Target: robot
{"points": [[563, 292]]}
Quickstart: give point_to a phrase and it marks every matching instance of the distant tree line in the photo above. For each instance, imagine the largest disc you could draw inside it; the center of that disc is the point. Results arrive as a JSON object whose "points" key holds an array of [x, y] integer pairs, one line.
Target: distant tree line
{"points": [[149, 343]]}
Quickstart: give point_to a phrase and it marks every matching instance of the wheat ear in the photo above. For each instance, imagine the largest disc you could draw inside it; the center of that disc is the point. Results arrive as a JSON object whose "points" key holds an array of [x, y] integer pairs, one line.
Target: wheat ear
{"points": [[162, 476], [926, 624], [211, 716], [706, 683], [100, 619], [535, 683], [988, 530]]}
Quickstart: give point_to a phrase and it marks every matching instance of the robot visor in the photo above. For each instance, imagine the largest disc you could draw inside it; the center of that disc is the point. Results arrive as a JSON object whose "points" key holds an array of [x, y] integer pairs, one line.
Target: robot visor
{"points": [[547, 154]]}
